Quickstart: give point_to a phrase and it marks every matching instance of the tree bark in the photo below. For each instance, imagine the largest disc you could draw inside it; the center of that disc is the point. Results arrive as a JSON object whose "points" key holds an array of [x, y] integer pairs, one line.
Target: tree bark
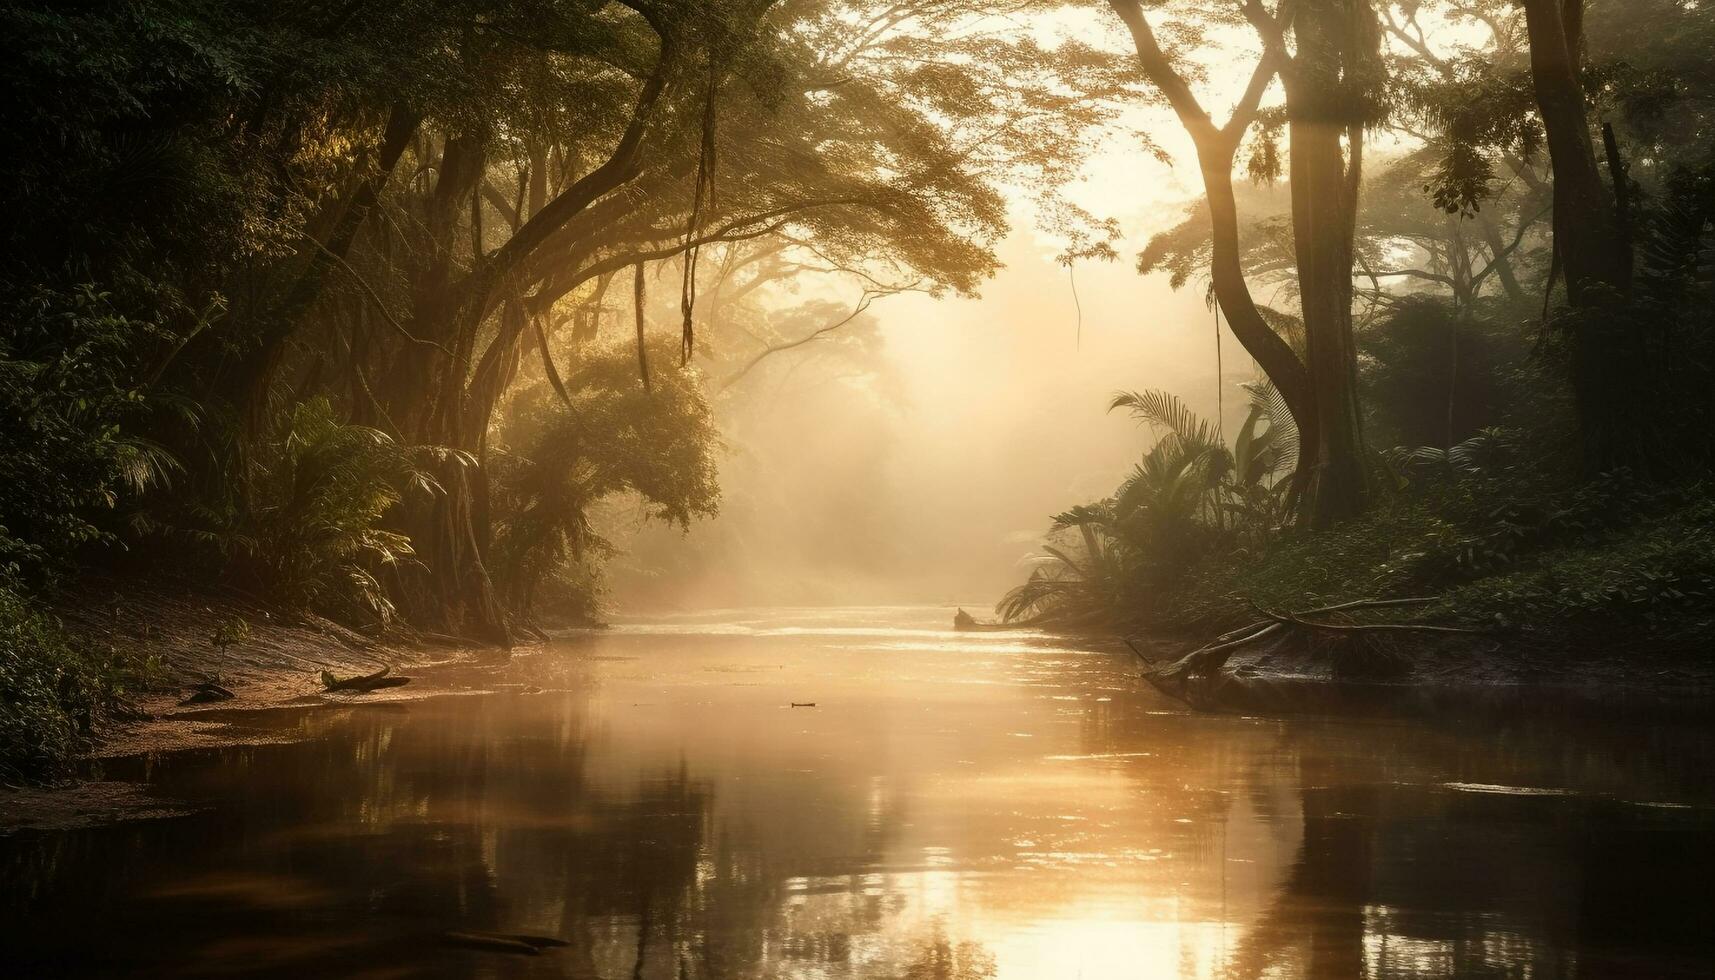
{"points": [[1587, 235], [430, 397], [1326, 150], [1592, 246]]}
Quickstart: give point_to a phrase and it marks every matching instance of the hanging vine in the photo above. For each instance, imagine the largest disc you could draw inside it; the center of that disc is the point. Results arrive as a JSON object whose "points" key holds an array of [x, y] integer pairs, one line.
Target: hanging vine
{"points": [[702, 198]]}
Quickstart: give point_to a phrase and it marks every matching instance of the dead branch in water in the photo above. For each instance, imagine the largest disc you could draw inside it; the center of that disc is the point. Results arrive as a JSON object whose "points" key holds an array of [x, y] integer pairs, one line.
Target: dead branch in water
{"points": [[1292, 619], [1207, 660]]}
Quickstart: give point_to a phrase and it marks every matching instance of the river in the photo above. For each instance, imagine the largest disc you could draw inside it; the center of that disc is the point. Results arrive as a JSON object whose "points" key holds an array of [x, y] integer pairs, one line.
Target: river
{"points": [[939, 805]]}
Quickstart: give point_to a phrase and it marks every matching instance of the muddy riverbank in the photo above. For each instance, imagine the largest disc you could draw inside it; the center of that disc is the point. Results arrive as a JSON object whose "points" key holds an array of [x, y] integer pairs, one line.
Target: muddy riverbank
{"points": [[174, 636]]}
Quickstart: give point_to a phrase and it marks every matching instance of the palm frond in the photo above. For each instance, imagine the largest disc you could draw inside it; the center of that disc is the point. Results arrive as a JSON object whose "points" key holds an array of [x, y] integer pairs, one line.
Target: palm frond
{"points": [[144, 465], [1166, 411], [1267, 399]]}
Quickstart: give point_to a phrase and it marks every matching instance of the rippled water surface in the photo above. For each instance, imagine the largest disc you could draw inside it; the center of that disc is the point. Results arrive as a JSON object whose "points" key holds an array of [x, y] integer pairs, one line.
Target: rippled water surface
{"points": [[952, 806]]}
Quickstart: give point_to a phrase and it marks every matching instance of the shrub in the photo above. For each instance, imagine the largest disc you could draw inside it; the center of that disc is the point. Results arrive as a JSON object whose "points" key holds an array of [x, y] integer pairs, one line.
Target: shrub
{"points": [[315, 528], [53, 690], [67, 408], [655, 447]]}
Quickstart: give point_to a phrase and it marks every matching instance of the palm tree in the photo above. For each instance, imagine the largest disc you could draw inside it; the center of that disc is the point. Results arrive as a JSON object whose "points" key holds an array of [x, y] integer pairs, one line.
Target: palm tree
{"points": [[1186, 495], [1072, 583], [319, 499], [1266, 448]]}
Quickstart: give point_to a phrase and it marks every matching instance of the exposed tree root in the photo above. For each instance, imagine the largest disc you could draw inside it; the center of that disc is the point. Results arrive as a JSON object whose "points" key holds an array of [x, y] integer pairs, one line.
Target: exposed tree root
{"points": [[1354, 648]]}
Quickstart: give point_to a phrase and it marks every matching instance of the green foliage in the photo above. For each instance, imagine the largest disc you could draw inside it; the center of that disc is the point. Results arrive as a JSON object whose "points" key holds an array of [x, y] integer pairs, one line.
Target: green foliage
{"points": [[53, 690], [1189, 497], [615, 440], [1078, 578], [1641, 364], [228, 632], [68, 410], [1479, 112], [1615, 560], [1431, 375], [315, 531], [1643, 583]]}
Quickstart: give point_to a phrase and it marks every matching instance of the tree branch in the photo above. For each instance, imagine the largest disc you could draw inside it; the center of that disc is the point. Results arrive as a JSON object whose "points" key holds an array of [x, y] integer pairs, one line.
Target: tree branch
{"points": [[857, 311]]}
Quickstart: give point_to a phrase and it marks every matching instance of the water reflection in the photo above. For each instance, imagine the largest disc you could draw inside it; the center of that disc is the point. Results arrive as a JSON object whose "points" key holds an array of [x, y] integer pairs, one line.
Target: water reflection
{"points": [[993, 808]]}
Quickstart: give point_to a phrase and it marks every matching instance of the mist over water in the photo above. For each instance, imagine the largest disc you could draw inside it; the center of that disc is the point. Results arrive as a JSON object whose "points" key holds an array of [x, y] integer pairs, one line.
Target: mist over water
{"points": [[928, 471]]}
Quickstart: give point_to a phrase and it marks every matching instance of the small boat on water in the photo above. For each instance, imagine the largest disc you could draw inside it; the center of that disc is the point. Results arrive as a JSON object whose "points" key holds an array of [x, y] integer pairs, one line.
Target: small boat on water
{"points": [[965, 622]]}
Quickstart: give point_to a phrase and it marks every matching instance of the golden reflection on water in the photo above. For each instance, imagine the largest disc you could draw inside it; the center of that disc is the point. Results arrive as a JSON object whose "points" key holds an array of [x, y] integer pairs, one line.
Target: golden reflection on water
{"points": [[954, 806]]}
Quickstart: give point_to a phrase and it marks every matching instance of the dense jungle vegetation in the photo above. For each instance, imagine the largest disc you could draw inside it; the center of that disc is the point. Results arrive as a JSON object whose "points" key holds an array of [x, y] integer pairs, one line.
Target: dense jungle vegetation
{"points": [[364, 307], [1494, 388]]}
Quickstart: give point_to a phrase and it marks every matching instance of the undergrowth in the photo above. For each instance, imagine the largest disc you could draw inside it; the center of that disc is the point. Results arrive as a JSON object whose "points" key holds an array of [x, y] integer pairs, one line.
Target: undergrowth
{"points": [[55, 690], [1610, 562]]}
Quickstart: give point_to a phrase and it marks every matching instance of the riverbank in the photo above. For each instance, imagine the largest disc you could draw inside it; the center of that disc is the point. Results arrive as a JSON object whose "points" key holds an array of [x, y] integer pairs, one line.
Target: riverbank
{"points": [[1295, 677], [1459, 580], [1302, 672], [113, 666]]}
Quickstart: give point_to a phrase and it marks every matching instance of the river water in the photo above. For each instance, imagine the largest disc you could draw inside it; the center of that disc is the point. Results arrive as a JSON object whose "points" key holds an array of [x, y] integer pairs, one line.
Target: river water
{"points": [[951, 806]]}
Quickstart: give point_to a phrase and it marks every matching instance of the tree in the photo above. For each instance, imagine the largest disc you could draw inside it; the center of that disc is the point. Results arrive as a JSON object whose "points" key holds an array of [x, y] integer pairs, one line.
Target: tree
{"points": [[1592, 244], [617, 143], [1332, 82], [1217, 148]]}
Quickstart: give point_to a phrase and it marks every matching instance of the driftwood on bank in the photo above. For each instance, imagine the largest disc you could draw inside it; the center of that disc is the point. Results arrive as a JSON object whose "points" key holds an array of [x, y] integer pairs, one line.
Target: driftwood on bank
{"points": [[207, 692], [1184, 678], [364, 683]]}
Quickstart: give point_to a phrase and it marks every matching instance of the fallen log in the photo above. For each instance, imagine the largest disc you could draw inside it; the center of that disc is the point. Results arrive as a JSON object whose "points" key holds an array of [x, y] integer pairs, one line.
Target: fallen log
{"points": [[364, 683], [1234, 639]]}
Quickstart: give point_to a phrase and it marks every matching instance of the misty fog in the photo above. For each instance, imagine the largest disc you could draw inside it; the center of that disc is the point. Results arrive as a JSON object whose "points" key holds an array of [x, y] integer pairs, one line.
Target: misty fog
{"points": [[928, 469]]}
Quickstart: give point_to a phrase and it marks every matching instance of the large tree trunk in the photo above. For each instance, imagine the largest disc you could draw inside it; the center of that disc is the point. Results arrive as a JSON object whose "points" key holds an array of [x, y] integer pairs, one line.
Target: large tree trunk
{"points": [[1272, 353], [430, 395], [449, 588], [1588, 237], [1326, 150], [1591, 247]]}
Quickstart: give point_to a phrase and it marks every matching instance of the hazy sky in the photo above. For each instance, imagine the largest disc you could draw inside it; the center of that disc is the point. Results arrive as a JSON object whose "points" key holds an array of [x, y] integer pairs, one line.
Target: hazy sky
{"points": [[994, 419]]}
